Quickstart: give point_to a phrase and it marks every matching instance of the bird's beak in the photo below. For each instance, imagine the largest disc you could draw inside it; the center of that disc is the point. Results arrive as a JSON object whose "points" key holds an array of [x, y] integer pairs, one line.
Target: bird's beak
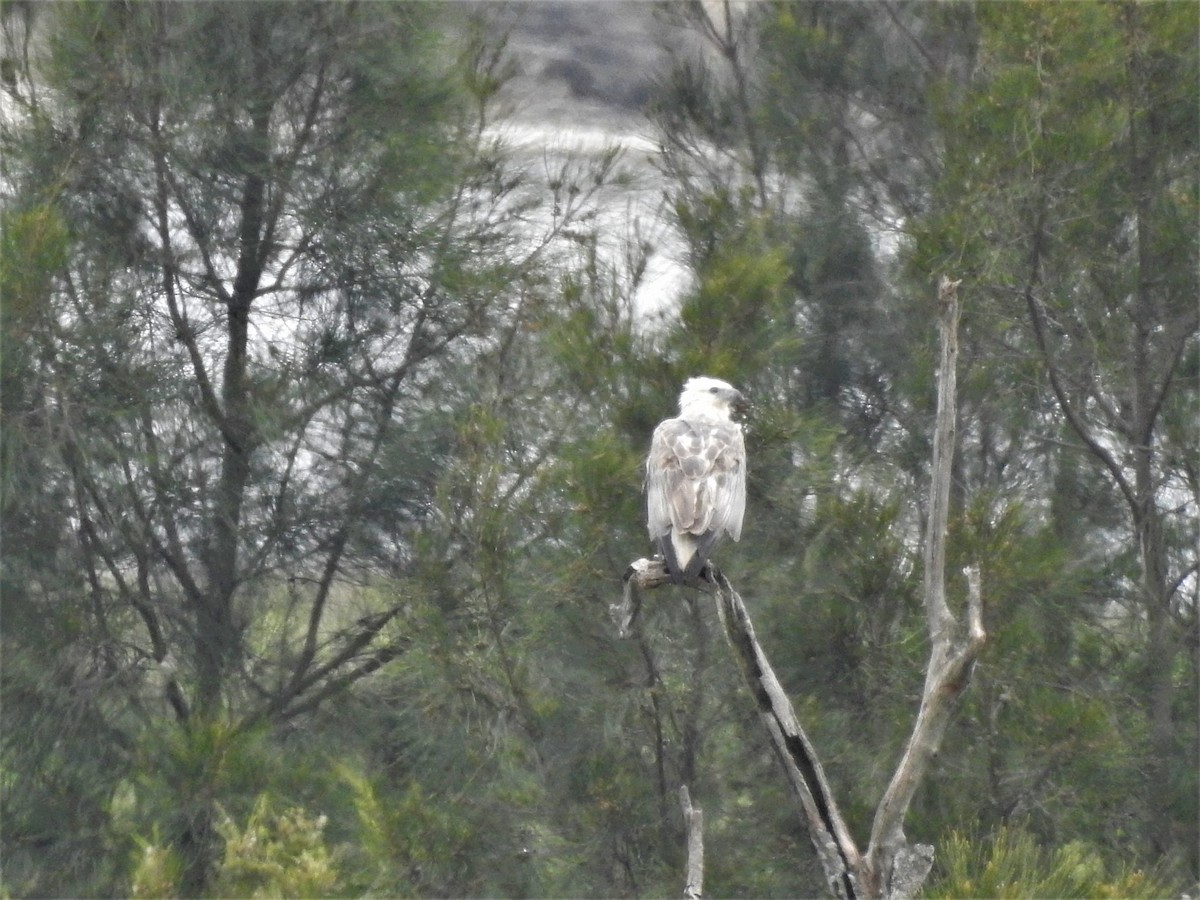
{"points": [[737, 400]]}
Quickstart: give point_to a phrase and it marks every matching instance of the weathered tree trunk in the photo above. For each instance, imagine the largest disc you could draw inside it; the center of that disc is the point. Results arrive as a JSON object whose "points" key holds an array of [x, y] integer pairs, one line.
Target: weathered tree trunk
{"points": [[693, 820], [1148, 394], [891, 867], [835, 848], [952, 653]]}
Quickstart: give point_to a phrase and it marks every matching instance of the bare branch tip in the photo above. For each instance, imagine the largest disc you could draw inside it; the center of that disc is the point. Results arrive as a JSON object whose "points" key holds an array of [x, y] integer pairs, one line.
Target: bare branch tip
{"points": [[975, 603], [948, 286], [685, 800]]}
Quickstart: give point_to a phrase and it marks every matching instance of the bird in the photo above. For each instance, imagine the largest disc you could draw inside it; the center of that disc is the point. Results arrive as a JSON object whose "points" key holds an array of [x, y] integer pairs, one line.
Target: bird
{"points": [[696, 477]]}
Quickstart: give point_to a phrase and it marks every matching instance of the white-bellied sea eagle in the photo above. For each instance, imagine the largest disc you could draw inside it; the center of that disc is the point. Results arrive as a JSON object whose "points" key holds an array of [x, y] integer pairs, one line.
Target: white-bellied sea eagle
{"points": [[696, 477]]}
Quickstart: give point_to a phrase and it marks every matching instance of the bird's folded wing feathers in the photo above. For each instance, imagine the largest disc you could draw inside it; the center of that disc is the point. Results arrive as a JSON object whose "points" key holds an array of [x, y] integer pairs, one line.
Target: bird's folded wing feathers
{"points": [[696, 478], [663, 475]]}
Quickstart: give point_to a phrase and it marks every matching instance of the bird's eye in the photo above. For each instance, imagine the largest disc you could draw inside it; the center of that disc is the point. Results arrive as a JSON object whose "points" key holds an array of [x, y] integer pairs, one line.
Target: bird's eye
{"points": [[712, 390]]}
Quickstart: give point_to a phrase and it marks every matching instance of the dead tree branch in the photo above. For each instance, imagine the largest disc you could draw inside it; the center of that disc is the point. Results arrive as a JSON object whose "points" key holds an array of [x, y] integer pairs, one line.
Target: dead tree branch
{"points": [[835, 848], [952, 653], [693, 819]]}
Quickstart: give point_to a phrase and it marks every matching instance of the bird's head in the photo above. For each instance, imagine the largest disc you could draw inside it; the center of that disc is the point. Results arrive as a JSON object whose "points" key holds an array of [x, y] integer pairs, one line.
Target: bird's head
{"points": [[708, 397]]}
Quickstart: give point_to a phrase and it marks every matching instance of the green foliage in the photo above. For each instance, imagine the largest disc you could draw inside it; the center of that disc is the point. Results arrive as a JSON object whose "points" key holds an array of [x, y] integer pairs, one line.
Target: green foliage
{"points": [[415, 844], [276, 854], [179, 770], [34, 250], [61, 759], [739, 320], [156, 871], [1010, 863], [1082, 272]]}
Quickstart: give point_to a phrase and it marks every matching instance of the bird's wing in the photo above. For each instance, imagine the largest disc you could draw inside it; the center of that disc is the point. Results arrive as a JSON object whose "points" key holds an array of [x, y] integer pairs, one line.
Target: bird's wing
{"points": [[727, 479], [667, 501], [696, 478]]}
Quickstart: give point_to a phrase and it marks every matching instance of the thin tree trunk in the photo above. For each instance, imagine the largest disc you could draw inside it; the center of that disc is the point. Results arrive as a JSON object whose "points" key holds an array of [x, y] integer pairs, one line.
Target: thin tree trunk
{"points": [[1147, 519], [693, 820], [951, 656], [219, 635]]}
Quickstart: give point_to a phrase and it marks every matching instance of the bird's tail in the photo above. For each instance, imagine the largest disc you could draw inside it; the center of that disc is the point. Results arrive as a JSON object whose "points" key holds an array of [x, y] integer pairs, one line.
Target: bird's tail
{"points": [[682, 554]]}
